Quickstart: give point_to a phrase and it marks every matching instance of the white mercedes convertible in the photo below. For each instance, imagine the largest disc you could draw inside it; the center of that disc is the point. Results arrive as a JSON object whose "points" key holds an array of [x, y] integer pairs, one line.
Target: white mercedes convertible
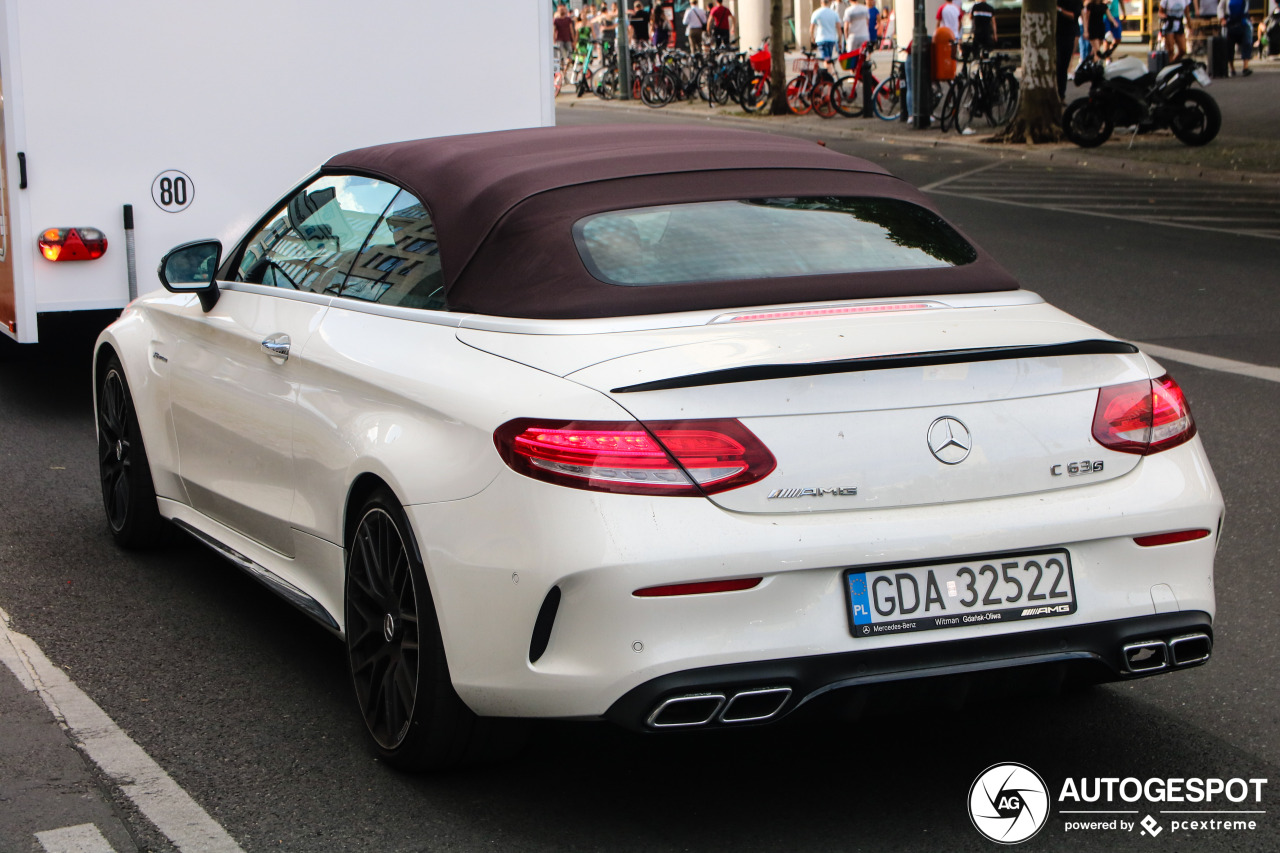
{"points": [[676, 428]]}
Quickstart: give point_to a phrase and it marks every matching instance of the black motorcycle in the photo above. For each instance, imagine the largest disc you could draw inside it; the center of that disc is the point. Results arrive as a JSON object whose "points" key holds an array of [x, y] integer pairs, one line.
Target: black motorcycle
{"points": [[1124, 94]]}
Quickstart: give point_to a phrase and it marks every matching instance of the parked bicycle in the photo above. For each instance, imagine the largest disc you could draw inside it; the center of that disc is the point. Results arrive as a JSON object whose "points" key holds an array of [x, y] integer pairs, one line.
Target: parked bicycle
{"points": [[989, 91]]}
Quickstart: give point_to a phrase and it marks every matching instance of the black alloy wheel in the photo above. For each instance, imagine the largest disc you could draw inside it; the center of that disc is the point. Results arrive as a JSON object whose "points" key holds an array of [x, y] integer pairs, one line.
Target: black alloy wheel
{"points": [[382, 628], [1087, 123], [412, 714], [1197, 118], [128, 494]]}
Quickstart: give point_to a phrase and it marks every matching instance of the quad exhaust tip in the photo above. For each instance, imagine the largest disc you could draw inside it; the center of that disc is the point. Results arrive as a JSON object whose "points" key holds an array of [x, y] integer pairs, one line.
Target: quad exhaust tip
{"points": [[1155, 655], [755, 705]]}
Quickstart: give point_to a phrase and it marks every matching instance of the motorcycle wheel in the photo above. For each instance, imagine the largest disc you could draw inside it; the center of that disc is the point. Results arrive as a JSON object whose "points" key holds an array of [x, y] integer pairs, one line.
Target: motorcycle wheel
{"points": [[1196, 118], [1087, 124]]}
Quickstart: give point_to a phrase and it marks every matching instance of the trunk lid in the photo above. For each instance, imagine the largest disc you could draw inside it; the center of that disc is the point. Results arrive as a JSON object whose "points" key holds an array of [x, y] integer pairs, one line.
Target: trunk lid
{"points": [[863, 412]]}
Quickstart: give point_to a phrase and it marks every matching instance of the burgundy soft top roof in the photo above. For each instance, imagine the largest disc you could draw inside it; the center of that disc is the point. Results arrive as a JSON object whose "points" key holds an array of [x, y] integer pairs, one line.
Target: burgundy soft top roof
{"points": [[504, 204]]}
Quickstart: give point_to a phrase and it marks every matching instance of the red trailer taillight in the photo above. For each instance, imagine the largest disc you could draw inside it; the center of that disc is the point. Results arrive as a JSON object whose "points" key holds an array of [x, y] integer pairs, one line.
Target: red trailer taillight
{"points": [[72, 244]]}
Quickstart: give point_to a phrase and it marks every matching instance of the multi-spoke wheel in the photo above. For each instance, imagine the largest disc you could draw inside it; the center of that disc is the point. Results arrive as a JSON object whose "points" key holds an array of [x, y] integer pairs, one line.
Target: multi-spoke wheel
{"points": [[398, 667], [128, 494]]}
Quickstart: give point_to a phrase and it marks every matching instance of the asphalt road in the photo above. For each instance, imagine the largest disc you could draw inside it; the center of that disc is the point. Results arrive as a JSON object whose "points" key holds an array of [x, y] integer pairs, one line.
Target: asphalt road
{"points": [[246, 704]]}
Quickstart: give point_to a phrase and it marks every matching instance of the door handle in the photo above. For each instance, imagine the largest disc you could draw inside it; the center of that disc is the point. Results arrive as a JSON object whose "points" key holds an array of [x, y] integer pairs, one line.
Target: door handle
{"points": [[277, 346]]}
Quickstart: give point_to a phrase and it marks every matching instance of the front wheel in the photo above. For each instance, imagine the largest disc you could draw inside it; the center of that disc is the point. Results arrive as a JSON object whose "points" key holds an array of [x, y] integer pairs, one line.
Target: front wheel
{"points": [[128, 493], [797, 98], [847, 96], [1087, 123], [411, 711], [1196, 117], [756, 94], [886, 100]]}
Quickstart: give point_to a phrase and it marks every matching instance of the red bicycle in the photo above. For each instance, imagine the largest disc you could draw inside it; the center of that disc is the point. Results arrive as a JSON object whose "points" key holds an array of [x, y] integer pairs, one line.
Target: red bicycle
{"points": [[812, 89], [847, 97]]}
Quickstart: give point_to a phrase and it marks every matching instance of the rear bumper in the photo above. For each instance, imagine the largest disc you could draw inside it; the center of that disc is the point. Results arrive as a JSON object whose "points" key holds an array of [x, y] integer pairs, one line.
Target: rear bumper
{"points": [[1093, 652], [495, 560]]}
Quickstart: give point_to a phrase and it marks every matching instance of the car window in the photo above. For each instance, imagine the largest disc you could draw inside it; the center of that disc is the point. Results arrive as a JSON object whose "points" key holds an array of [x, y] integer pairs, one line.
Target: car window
{"points": [[765, 238], [311, 242], [400, 262]]}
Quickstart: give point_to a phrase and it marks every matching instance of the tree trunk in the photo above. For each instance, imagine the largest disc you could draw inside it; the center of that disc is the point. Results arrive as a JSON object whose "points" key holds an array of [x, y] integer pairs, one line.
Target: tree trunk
{"points": [[778, 73], [1039, 117]]}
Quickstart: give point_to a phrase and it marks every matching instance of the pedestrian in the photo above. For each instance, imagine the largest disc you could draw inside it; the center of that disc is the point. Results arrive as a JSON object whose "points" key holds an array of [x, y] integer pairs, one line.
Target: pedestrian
{"points": [[982, 20], [695, 24], [1096, 16], [639, 24], [949, 15], [1068, 28], [1173, 25], [1235, 17], [857, 26], [824, 30], [659, 26], [722, 23], [564, 32], [1116, 25], [873, 23], [608, 27]]}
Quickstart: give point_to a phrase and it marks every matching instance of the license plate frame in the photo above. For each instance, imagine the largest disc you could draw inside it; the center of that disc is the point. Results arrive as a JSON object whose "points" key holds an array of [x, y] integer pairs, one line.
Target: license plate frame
{"points": [[1006, 571]]}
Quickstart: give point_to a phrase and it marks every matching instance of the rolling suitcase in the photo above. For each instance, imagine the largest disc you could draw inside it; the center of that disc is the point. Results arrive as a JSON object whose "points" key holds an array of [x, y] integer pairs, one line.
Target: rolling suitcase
{"points": [[1218, 55], [1157, 60]]}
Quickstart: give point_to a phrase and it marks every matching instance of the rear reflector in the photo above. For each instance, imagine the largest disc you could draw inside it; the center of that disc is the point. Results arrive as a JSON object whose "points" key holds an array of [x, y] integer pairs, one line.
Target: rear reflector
{"points": [[698, 588], [1170, 538], [825, 311], [1143, 417], [72, 244], [686, 458]]}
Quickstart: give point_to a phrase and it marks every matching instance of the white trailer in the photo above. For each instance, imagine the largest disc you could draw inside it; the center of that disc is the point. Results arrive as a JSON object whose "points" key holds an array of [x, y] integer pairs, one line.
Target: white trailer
{"points": [[200, 115]]}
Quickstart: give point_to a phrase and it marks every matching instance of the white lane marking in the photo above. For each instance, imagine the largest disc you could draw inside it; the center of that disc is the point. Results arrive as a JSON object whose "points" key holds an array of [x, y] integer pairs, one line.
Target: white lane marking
{"points": [[84, 838], [961, 176], [156, 795], [1211, 362]]}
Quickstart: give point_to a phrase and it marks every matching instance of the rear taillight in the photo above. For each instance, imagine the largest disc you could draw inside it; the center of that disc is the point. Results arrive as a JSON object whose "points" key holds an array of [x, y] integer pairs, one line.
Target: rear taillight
{"points": [[1143, 417], [72, 244], [668, 458]]}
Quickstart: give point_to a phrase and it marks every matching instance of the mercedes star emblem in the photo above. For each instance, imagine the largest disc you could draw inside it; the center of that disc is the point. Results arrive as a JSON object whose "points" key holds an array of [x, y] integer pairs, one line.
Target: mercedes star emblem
{"points": [[949, 441]]}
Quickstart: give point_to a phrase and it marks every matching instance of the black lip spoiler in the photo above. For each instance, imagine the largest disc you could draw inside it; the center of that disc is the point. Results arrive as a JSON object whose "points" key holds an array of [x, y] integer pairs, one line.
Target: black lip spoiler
{"points": [[761, 372]]}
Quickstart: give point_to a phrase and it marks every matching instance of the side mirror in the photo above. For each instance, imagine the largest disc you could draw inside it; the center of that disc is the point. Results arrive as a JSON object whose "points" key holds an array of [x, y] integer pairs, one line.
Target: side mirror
{"points": [[191, 268]]}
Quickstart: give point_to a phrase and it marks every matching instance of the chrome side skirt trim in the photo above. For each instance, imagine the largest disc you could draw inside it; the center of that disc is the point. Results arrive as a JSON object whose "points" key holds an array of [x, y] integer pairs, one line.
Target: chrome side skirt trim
{"points": [[265, 576]]}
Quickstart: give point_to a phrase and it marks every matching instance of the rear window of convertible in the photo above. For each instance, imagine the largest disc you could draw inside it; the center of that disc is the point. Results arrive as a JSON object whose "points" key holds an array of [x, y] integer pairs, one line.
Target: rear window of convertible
{"points": [[765, 238]]}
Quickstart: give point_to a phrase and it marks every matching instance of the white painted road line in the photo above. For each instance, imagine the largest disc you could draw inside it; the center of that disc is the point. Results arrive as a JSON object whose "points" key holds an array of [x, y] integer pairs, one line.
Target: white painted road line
{"points": [[156, 795], [84, 838], [1211, 362]]}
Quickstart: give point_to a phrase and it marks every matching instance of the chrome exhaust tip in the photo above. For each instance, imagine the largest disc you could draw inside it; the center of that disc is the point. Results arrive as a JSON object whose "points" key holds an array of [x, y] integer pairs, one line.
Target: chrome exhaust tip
{"points": [[695, 709], [755, 706], [1190, 648], [1147, 656]]}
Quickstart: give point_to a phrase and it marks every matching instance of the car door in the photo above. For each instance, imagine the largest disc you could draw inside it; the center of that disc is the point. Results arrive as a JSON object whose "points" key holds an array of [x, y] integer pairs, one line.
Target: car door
{"points": [[235, 373]]}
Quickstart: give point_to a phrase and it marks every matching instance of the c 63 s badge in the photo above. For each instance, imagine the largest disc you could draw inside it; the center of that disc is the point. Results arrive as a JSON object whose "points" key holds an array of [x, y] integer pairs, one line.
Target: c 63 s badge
{"points": [[839, 491], [1077, 469]]}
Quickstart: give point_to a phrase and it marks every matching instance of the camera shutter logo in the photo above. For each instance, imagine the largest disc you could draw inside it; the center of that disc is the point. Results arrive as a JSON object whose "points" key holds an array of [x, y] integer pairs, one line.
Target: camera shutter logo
{"points": [[1009, 803]]}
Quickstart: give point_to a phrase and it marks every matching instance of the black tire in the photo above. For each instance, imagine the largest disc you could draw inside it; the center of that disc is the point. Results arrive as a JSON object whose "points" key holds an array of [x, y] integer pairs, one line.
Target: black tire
{"points": [[886, 100], [968, 107], [847, 96], [756, 95], [1086, 123], [412, 714], [657, 89], [128, 493], [950, 107], [1196, 119], [1004, 104]]}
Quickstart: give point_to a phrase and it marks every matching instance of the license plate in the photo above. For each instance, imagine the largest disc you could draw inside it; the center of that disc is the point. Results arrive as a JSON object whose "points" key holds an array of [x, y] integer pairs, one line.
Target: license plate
{"points": [[975, 591], [1201, 77]]}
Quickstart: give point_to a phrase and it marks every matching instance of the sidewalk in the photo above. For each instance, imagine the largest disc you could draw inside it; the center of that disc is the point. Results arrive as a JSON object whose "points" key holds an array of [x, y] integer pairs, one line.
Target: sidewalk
{"points": [[1247, 150]]}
